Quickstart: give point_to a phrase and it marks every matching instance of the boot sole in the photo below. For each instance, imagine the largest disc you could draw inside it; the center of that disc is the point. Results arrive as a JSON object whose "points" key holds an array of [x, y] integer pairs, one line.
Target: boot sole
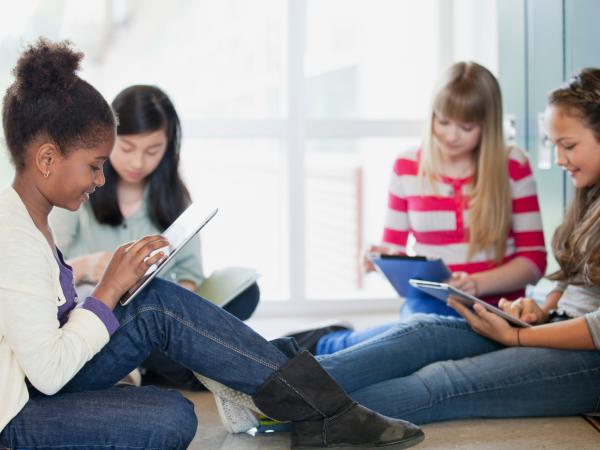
{"points": [[391, 446]]}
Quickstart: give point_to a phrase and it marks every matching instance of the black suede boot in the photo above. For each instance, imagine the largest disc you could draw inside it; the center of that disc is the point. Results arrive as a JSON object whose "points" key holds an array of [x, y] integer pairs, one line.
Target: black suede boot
{"points": [[322, 414]]}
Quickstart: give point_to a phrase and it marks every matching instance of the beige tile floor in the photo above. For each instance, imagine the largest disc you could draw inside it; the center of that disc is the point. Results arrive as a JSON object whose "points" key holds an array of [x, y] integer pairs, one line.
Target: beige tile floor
{"points": [[522, 434]]}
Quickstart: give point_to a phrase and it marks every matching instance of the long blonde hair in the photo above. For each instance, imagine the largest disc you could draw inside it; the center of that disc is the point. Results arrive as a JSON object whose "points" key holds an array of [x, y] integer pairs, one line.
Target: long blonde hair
{"points": [[576, 242], [470, 93]]}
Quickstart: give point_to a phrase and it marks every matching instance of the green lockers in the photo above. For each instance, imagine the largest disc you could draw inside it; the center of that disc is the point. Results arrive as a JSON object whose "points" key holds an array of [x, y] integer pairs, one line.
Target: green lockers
{"points": [[542, 42]]}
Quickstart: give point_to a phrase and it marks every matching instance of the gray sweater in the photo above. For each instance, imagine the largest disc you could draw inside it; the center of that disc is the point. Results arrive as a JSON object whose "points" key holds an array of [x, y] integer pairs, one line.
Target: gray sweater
{"points": [[577, 301]]}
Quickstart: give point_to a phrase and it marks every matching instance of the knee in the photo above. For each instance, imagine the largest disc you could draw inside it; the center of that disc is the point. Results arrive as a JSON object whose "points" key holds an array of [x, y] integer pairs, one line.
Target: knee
{"points": [[415, 322], [443, 381], [421, 320], [176, 422], [426, 324], [156, 293], [159, 286]]}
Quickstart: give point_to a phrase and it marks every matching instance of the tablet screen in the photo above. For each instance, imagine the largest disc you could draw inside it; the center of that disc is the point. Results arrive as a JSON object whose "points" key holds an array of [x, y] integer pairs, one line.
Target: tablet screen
{"points": [[442, 291], [178, 234]]}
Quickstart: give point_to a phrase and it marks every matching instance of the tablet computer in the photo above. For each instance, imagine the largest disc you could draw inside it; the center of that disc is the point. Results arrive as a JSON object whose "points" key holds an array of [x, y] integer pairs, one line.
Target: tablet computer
{"points": [[399, 269], [185, 227], [442, 291]]}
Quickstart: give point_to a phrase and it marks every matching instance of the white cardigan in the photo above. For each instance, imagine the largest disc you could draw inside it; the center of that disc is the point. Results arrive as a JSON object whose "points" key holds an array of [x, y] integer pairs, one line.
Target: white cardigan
{"points": [[32, 344]]}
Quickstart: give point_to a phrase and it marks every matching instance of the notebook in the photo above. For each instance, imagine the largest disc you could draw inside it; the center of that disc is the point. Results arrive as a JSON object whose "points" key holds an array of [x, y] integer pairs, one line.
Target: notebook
{"points": [[224, 285]]}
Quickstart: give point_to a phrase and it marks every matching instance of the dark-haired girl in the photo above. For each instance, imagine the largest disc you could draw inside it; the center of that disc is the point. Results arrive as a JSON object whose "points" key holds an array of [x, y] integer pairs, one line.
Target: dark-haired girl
{"points": [[60, 356], [143, 194]]}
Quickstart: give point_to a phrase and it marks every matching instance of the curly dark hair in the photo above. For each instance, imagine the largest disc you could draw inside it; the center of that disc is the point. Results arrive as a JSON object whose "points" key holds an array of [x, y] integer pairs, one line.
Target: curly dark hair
{"points": [[48, 99]]}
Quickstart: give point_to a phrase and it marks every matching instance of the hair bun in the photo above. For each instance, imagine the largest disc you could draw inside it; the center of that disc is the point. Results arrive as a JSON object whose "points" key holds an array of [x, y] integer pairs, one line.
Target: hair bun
{"points": [[46, 67]]}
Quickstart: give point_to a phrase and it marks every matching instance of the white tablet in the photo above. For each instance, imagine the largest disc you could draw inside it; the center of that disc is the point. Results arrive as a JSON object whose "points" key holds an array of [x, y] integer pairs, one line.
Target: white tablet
{"points": [[185, 227], [442, 291]]}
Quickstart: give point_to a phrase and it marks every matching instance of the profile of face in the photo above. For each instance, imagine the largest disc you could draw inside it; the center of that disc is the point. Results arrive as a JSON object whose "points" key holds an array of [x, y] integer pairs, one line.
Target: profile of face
{"points": [[138, 155], [455, 139], [75, 175], [576, 149]]}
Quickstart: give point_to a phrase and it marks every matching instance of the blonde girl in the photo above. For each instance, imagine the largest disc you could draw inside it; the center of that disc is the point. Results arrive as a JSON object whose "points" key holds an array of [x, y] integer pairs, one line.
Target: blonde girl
{"points": [[435, 368], [465, 197]]}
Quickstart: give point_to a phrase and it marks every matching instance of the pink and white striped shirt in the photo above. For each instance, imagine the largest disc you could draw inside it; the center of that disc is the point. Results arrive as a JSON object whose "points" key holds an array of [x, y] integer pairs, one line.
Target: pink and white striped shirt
{"points": [[438, 223]]}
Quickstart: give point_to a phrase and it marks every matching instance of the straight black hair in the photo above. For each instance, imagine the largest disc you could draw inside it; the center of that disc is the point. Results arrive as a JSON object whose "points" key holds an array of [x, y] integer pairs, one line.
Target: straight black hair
{"points": [[143, 109]]}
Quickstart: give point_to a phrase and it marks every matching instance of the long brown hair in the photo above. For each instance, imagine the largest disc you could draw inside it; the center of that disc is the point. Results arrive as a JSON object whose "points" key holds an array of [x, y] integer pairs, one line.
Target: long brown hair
{"points": [[470, 93], [576, 242]]}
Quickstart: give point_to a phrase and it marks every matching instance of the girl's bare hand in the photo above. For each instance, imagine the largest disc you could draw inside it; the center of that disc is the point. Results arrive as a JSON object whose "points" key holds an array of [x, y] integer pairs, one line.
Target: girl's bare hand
{"points": [[487, 323], [129, 263], [525, 309], [464, 282], [368, 265]]}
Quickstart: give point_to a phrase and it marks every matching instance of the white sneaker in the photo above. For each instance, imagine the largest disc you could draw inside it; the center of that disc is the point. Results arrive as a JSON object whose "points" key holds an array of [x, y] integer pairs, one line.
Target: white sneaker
{"points": [[235, 408], [235, 418]]}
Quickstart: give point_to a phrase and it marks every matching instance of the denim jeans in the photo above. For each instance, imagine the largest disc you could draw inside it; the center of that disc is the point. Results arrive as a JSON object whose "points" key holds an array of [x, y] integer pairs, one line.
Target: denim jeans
{"points": [[433, 368], [161, 368], [340, 340], [89, 412]]}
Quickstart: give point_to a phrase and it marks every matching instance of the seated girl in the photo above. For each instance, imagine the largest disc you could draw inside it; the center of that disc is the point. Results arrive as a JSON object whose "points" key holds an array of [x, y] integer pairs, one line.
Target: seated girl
{"points": [[61, 355], [143, 194], [433, 368], [465, 197]]}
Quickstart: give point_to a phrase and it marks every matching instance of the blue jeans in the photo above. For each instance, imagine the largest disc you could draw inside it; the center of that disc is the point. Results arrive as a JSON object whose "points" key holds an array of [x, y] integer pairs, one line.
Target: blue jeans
{"points": [[435, 368], [339, 340], [89, 412], [161, 368]]}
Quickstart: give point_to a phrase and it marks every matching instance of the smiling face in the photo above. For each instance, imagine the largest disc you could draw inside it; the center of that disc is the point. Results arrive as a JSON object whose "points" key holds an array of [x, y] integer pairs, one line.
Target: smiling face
{"points": [[77, 174], [455, 139], [577, 150], [137, 155]]}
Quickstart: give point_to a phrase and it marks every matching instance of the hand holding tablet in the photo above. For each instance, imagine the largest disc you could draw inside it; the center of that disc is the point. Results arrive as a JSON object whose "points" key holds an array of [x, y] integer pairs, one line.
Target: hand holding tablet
{"points": [[185, 227], [442, 291]]}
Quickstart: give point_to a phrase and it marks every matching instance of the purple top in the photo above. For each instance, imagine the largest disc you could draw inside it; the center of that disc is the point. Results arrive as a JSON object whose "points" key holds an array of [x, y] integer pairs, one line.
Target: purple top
{"points": [[90, 303]]}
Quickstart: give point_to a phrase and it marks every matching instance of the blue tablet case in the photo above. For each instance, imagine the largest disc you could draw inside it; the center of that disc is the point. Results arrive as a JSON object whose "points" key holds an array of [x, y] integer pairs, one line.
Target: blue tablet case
{"points": [[398, 270]]}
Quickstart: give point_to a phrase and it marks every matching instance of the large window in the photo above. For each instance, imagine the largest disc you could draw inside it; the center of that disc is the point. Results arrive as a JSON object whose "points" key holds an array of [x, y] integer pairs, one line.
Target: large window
{"points": [[293, 112]]}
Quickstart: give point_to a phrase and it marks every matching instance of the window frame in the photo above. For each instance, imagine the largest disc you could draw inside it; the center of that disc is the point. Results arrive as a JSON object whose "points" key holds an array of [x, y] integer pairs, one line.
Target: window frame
{"points": [[295, 131]]}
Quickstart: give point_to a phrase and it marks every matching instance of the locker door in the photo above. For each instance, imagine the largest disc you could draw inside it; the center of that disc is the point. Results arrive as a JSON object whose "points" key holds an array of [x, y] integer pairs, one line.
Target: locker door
{"points": [[582, 39], [545, 71], [531, 64]]}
